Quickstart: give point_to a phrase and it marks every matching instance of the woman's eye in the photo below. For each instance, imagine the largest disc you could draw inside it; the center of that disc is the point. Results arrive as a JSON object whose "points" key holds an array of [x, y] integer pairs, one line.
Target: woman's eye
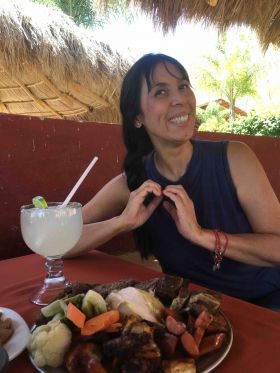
{"points": [[160, 92], [184, 86]]}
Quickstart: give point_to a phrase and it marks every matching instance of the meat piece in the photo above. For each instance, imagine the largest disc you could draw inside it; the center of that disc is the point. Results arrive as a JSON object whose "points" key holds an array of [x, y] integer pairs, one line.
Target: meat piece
{"points": [[179, 366], [175, 327], [218, 325], [84, 358], [137, 365], [201, 324], [203, 320], [204, 300], [148, 285], [167, 288], [211, 343], [166, 311], [189, 344], [167, 344], [126, 345]]}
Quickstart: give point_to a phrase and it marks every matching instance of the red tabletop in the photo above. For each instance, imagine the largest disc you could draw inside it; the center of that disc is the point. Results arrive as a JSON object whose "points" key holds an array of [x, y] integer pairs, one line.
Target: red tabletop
{"points": [[256, 331]]}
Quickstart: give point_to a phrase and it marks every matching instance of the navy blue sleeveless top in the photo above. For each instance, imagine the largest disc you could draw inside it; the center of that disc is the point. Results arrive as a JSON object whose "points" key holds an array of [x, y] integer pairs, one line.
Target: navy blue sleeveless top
{"points": [[209, 184]]}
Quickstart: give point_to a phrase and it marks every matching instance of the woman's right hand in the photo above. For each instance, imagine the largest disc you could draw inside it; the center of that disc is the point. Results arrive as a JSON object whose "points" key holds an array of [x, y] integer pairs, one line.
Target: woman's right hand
{"points": [[136, 213]]}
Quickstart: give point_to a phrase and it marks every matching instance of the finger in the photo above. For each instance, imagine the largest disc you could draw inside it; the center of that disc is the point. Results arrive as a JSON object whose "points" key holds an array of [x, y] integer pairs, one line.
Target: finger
{"points": [[174, 196], [144, 192], [154, 204], [176, 191], [170, 209], [152, 187]]}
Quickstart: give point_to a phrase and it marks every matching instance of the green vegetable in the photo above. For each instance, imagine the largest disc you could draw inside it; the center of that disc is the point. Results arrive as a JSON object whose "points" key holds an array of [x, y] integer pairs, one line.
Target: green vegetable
{"points": [[40, 202], [77, 300], [57, 309], [93, 304], [52, 309]]}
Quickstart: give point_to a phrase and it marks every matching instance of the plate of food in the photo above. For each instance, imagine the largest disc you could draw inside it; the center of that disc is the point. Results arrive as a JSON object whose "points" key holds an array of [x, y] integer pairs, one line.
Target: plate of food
{"points": [[127, 326], [14, 332]]}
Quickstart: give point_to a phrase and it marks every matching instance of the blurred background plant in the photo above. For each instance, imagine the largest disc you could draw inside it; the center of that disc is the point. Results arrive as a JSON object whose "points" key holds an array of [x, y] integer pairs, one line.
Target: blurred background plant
{"points": [[230, 71], [213, 118], [88, 13]]}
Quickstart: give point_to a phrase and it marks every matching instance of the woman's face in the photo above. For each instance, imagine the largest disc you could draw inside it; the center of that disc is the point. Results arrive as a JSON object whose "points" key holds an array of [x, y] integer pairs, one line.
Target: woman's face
{"points": [[169, 108]]}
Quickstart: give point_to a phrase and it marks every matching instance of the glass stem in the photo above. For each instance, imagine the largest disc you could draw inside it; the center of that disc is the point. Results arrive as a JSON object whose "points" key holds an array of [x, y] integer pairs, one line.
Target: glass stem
{"points": [[54, 267]]}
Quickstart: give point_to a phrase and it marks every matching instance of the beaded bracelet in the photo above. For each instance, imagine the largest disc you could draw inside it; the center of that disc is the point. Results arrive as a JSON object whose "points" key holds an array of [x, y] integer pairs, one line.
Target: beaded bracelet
{"points": [[218, 252]]}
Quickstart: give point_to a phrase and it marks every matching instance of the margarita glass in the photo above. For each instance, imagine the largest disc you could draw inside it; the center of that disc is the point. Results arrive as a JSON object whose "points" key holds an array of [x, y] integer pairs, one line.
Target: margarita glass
{"points": [[51, 232]]}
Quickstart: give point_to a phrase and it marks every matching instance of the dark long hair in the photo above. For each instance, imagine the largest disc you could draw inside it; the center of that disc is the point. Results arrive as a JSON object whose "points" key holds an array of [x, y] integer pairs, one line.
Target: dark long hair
{"points": [[136, 140]]}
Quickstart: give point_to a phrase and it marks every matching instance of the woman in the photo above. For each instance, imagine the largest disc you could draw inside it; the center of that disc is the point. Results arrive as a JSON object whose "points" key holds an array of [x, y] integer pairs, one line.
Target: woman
{"points": [[205, 209]]}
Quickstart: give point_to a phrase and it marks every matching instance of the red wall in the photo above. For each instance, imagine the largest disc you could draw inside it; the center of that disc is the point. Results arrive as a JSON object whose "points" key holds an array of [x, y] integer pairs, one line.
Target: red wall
{"points": [[46, 157]]}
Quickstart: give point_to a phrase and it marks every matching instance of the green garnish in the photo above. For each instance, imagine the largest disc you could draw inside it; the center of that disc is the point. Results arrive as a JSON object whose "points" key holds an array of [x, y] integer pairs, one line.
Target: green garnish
{"points": [[39, 202]]}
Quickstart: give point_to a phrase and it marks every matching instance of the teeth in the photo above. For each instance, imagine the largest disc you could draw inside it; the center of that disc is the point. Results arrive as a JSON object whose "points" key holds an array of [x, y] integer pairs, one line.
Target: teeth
{"points": [[181, 119]]}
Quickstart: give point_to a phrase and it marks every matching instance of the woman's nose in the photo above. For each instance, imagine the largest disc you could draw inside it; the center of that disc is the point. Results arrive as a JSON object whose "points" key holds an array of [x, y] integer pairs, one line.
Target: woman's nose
{"points": [[177, 99]]}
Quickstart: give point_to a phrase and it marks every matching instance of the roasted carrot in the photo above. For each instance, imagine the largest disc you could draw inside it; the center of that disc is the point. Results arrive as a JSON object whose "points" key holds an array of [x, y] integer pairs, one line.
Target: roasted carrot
{"points": [[100, 322], [75, 315]]}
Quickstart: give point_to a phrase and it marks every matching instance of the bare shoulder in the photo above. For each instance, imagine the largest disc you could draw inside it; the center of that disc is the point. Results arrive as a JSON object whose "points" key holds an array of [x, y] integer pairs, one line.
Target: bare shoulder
{"points": [[243, 162], [238, 150], [254, 190], [108, 202]]}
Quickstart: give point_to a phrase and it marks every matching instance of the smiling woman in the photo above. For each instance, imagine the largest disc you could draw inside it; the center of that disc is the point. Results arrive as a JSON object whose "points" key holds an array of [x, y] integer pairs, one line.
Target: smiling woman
{"points": [[190, 202]]}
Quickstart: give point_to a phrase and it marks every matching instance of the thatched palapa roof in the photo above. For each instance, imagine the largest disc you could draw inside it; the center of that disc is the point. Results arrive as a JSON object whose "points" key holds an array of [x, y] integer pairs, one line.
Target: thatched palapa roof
{"points": [[49, 67], [263, 16]]}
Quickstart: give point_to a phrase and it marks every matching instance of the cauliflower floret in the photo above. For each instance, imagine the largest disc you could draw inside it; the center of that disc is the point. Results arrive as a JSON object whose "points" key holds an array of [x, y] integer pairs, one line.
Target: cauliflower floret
{"points": [[49, 343]]}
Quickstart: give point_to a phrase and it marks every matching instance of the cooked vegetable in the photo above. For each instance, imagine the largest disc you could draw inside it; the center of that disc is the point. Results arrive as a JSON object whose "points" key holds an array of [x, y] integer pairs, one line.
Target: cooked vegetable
{"points": [[77, 317], [100, 322], [52, 308], [58, 308], [93, 304], [49, 343]]}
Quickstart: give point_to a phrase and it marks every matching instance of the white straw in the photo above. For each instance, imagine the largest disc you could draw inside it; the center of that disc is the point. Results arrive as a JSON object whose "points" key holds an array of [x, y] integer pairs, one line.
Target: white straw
{"points": [[79, 182]]}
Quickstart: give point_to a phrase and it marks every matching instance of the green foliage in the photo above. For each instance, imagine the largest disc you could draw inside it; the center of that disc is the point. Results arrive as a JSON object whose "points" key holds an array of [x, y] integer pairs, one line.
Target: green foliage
{"points": [[213, 118], [230, 72], [89, 12], [252, 125], [81, 11], [257, 125]]}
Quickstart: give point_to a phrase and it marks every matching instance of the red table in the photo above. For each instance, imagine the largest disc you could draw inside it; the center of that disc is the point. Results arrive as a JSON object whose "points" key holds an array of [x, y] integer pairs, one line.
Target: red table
{"points": [[256, 331]]}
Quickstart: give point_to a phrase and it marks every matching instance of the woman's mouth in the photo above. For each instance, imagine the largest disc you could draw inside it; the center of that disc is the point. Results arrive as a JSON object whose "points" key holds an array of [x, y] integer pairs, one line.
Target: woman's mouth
{"points": [[180, 119]]}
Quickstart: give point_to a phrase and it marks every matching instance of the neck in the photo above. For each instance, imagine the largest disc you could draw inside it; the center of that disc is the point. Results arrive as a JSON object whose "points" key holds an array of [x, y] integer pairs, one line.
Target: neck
{"points": [[172, 163]]}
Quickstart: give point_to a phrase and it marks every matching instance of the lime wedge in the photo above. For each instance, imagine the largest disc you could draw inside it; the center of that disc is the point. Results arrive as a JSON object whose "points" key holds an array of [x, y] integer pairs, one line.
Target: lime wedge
{"points": [[40, 202]]}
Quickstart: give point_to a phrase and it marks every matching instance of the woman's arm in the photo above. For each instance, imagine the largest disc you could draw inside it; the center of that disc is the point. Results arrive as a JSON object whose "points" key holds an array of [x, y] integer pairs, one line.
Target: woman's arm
{"points": [[259, 203], [101, 216], [114, 210]]}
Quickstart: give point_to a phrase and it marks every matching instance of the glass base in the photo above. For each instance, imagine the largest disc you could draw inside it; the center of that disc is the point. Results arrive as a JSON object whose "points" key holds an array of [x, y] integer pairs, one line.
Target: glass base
{"points": [[54, 283], [49, 292]]}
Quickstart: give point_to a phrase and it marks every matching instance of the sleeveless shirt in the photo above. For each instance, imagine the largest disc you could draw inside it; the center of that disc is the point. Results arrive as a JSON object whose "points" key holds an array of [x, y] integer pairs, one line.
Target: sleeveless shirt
{"points": [[209, 184]]}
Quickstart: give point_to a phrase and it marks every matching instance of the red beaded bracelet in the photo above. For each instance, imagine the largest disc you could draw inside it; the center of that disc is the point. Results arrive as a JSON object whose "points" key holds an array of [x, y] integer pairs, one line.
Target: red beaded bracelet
{"points": [[218, 252]]}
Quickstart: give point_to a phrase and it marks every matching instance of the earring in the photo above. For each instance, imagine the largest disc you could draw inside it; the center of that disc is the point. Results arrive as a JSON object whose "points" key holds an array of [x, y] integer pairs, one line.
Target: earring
{"points": [[138, 124]]}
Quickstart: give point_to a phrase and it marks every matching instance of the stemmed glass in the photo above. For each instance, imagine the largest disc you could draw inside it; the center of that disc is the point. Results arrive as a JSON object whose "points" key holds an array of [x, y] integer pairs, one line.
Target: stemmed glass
{"points": [[51, 232]]}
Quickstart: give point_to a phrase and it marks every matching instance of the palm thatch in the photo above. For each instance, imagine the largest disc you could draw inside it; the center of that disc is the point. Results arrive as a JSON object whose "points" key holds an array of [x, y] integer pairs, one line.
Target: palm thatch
{"points": [[49, 67], [263, 16]]}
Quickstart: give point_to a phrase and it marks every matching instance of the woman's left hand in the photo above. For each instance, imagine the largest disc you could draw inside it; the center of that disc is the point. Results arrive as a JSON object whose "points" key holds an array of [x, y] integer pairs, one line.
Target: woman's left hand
{"points": [[182, 211]]}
